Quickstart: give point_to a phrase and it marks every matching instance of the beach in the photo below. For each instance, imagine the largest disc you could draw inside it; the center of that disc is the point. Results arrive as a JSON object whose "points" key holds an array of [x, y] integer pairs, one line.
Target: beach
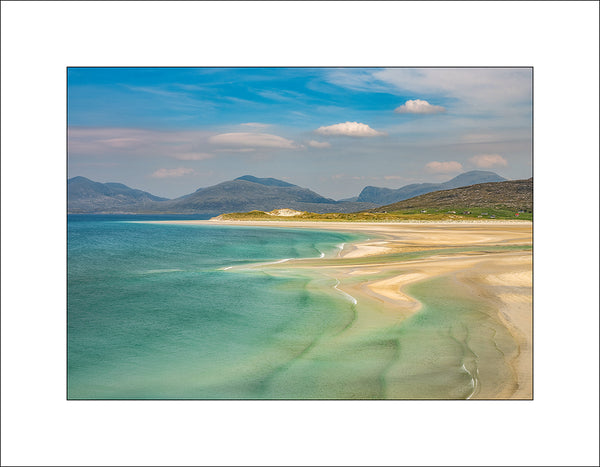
{"points": [[443, 304]]}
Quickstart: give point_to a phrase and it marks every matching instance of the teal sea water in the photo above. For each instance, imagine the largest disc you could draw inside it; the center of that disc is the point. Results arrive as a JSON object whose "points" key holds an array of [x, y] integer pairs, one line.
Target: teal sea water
{"points": [[164, 311], [155, 311]]}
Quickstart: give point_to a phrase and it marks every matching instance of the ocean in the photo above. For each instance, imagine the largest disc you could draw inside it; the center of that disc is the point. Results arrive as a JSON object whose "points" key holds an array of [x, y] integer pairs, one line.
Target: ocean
{"points": [[172, 311], [163, 311]]}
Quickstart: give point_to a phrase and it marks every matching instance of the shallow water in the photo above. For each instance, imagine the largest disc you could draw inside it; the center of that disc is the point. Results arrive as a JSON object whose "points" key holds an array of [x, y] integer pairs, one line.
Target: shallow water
{"points": [[153, 313], [161, 311], [453, 348]]}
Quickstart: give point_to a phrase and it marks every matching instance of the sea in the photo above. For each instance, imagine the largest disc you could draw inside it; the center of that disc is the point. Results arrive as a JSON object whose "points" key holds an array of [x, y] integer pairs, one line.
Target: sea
{"points": [[169, 311], [198, 311]]}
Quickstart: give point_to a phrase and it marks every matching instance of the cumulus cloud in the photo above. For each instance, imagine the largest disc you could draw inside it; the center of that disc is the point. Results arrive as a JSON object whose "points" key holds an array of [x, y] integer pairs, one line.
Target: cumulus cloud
{"points": [[444, 167], [419, 106], [319, 144], [171, 173], [486, 161], [253, 140], [349, 129]]}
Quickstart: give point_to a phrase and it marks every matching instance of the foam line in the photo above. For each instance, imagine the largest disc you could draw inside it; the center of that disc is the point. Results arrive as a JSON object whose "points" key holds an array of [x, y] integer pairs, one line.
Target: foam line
{"points": [[348, 296]]}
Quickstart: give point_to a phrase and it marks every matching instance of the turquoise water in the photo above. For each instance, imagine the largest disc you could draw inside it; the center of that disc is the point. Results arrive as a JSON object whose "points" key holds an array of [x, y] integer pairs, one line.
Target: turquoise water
{"points": [[159, 311], [154, 314]]}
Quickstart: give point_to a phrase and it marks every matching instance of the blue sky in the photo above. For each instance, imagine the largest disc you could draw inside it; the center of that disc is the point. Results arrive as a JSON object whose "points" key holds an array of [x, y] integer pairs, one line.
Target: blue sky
{"points": [[170, 131]]}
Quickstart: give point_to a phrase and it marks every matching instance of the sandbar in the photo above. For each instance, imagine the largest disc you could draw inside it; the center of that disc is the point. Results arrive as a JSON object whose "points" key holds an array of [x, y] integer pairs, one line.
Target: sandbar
{"points": [[487, 262]]}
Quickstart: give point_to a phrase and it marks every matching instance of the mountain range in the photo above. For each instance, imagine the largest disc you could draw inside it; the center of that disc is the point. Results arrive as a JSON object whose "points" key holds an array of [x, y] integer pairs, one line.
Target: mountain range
{"points": [[87, 196], [248, 193], [243, 194], [381, 196]]}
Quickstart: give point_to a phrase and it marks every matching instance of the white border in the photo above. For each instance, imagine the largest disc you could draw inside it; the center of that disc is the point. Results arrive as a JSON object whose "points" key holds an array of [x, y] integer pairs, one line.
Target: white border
{"points": [[560, 39]]}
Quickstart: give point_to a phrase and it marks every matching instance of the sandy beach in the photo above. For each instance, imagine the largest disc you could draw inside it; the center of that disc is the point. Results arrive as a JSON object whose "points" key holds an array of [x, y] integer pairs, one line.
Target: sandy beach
{"points": [[485, 267]]}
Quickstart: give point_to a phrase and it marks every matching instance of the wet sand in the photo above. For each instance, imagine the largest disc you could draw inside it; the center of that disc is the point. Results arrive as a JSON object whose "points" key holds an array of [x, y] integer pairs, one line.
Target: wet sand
{"points": [[484, 268]]}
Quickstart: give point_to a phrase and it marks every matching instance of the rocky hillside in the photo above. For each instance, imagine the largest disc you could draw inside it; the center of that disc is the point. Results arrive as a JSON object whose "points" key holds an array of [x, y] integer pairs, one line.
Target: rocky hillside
{"points": [[514, 195]]}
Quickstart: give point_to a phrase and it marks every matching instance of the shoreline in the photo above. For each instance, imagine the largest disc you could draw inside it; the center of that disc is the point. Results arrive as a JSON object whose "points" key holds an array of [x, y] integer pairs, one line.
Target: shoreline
{"points": [[488, 262]]}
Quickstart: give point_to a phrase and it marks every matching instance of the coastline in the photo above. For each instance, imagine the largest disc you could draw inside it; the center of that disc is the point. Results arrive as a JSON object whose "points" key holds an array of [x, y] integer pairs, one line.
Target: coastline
{"points": [[488, 263]]}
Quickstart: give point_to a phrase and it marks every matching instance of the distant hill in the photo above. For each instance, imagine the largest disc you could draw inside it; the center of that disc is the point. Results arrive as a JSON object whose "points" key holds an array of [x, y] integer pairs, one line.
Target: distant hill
{"points": [[249, 193], [87, 196], [377, 195], [514, 195], [245, 193], [264, 181]]}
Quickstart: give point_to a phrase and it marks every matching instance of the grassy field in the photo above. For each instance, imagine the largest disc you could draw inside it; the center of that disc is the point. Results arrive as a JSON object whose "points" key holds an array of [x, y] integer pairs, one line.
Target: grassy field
{"points": [[445, 214]]}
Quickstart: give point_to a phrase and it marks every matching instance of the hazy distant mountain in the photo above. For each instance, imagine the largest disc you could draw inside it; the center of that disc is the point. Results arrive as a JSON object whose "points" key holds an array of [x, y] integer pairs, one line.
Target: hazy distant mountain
{"points": [[512, 194], [377, 195], [87, 196], [264, 181], [243, 194], [249, 193]]}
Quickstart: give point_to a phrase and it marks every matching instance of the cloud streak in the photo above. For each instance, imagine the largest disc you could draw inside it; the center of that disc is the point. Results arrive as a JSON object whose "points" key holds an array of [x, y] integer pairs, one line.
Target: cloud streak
{"points": [[136, 142], [253, 140], [354, 129], [255, 125], [419, 106], [193, 156], [482, 90]]}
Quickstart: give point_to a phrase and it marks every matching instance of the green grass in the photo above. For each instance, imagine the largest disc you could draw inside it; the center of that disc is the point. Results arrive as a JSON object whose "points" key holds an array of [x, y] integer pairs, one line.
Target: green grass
{"points": [[500, 212], [436, 214]]}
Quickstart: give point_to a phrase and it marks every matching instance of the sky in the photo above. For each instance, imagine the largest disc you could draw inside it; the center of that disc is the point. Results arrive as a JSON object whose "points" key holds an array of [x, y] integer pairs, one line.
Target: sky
{"points": [[170, 131]]}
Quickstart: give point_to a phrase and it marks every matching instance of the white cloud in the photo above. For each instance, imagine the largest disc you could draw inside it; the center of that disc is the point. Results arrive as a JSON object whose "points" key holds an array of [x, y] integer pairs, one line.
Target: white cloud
{"points": [[319, 144], [253, 140], [486, 161], [419, 106], [349, 129], [444, 167], [480, 89], [171, 173]]}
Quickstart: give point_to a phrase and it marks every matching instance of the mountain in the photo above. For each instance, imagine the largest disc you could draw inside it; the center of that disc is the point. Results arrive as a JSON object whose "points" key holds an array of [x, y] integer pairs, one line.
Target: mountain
{"points": [[87, 196], [513, 194], [352, 199], [377, 195], [249, 193], [264, 181], [243, 194]]}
